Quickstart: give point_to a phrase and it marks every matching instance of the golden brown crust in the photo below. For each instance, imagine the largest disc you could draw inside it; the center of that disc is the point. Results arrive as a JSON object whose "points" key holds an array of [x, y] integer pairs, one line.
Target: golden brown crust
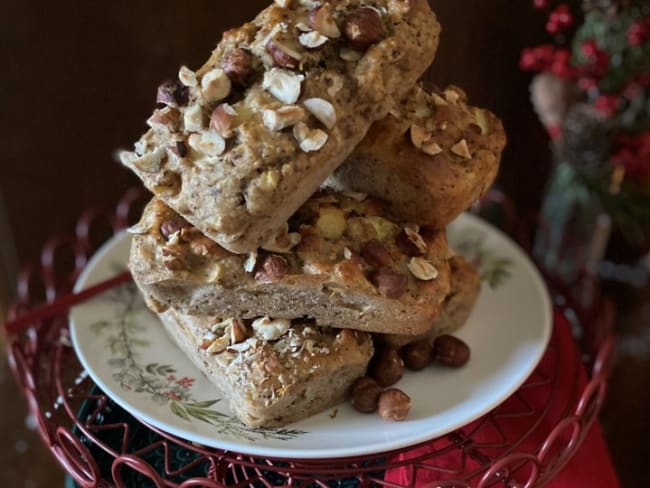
{"points": [[433, 183], [238, 176], [342, 262]]}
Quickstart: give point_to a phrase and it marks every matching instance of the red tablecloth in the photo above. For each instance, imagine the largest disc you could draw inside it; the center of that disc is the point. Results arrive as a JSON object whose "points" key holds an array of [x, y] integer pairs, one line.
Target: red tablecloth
{"points": [[591, 466]]}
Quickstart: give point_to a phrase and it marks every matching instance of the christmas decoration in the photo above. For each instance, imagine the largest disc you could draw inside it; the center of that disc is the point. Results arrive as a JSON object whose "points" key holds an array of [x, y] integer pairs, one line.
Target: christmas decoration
{"points": [[592, 93]]}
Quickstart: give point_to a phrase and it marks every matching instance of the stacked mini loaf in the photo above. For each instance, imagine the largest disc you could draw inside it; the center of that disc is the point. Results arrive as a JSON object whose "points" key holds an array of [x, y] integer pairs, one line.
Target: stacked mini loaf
{"points": [[302, 187]]}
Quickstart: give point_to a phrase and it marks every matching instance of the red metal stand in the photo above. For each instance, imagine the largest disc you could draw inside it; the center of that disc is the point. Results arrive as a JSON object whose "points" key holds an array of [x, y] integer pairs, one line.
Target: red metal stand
{"points": [[500, 449]]}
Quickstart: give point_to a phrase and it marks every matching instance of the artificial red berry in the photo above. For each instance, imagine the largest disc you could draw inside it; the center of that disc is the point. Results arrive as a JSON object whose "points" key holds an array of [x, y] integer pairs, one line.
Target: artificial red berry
{"points": [[587, 83], [639, 32], [561, 65], [560, 19], [540, 4], [608, 104]]}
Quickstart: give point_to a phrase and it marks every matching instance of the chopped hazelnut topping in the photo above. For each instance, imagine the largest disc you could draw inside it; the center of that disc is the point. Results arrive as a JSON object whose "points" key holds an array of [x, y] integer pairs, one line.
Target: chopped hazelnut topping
{"points": [[321, 20], [173, 94], [438, 100], [193, 118], [219, 345], [461, 149], [150, 162], [283, 55], [412, 231], [215, 85], [269, 329], [323, 110], [451, 96], [283, 117], [187, 77], [164, 119], [223, 119], [303, 27], [274, 268], [238, 332], [312, 40], [431, 148], [419, 135], [422, 269], [309, 139], [283, 85], [238, 65], [209, 143]]}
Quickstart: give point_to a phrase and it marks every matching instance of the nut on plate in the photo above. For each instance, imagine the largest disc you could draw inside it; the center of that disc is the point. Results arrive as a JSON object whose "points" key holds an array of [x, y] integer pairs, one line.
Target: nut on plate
{"points": [[386, 367], [365, 394], [417, 355], [450, 351], [394, 405]]}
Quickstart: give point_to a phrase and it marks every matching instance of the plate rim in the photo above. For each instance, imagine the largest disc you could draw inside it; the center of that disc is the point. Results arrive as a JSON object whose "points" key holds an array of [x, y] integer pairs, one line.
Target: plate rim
{"points": [[388, 445]]}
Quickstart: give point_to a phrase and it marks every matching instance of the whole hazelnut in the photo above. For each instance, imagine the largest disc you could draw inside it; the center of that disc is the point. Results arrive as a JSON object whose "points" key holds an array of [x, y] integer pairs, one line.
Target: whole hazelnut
{"points": [[283, 56], [365, 394], [273, 268], [238, 66], [376, 254], [389, 283], [363, 27], [450, 351], [387, 367], [394, 405], [173, 93], [173, 225], [417, 355]]}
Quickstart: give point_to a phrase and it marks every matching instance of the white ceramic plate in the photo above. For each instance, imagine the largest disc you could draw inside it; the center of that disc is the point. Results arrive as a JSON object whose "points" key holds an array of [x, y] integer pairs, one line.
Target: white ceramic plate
{"points": [[129, 355]]}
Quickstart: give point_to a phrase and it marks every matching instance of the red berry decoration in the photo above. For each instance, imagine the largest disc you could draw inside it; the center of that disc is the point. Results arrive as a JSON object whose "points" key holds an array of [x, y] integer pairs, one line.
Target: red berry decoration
{"points": [[540, 4], [587, 83], [639, 32], [597, 60], [608, 104], [561, 65], [560, 19]]}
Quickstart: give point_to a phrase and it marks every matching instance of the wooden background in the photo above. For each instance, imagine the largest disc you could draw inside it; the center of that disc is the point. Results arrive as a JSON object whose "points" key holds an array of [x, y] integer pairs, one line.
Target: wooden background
{"points": [[79, 78]]}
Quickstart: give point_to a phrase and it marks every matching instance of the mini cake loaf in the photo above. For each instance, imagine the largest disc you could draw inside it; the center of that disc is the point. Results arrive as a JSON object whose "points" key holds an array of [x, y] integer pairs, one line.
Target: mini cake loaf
{"points": [[456, 309], [341, 261], [431, 158], [244, 141], [272, 372]]}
